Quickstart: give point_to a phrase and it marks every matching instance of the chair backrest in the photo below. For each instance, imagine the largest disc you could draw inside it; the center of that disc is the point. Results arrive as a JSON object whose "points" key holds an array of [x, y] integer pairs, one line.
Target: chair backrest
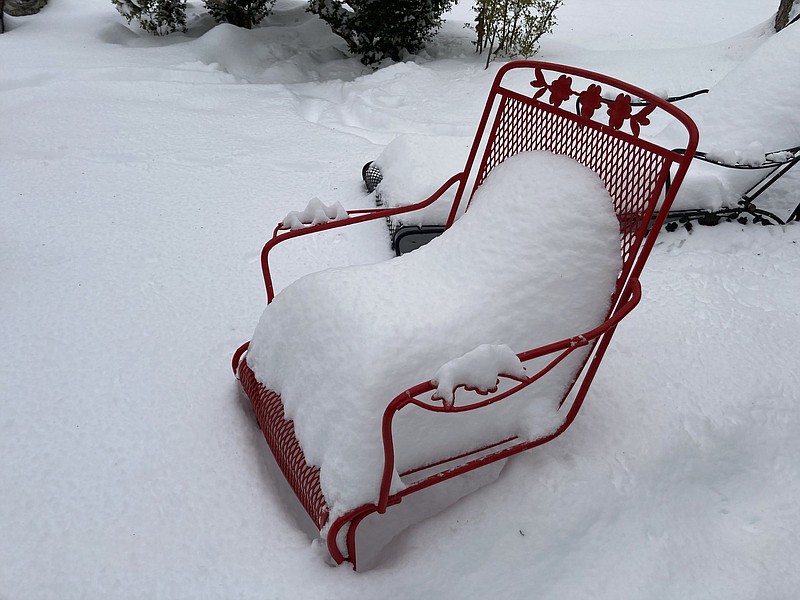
{"points": [[588, 117]]}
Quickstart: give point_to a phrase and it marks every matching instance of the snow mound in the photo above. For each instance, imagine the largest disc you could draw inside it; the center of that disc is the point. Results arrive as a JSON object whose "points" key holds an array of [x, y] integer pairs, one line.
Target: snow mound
{"points": [[478, 369], [534, 260], [315, 213], [752, 156], [413, 168], [757, 101], [750, 111]]}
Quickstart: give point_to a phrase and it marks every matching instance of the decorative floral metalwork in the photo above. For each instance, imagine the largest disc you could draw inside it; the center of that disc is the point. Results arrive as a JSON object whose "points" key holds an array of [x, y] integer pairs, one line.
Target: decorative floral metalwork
{"points": [[590, 100]]}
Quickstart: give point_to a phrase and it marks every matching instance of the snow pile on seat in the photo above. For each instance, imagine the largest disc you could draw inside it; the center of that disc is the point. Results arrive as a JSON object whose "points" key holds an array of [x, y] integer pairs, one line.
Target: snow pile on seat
{"points": [[534, 260], [413, 168], [752, 109], [752, 156]]}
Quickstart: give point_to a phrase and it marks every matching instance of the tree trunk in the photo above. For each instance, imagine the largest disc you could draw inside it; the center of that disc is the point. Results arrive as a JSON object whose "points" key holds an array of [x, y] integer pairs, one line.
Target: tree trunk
{"points": [[784, 10]]}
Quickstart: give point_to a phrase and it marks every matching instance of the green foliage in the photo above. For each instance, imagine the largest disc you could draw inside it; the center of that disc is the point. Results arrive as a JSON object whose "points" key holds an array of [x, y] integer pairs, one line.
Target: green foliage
{"points": [[158, 17], [379, 29], [242, 13], [513, 27]]}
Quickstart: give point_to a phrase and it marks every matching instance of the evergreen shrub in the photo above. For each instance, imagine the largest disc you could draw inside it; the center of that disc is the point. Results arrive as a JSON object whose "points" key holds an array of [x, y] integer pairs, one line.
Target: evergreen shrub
{"points": [[158, 17], [242, 13], [379, 29]]}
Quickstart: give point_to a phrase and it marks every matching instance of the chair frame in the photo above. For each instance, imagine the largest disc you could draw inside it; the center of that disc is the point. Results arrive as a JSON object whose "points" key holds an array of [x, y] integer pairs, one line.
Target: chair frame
{"points": [[635, 172], [776, 168]]}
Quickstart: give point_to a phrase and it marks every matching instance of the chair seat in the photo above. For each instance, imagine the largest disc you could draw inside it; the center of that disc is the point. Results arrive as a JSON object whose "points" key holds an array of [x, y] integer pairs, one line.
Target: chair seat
{"points": [[530, 263]]}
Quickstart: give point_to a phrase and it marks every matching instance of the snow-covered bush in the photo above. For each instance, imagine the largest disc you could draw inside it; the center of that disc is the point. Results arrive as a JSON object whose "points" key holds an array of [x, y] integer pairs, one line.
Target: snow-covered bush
{"points": [[22, 8], [242, 13], [512, 27], [159, 17], [378, 29]]}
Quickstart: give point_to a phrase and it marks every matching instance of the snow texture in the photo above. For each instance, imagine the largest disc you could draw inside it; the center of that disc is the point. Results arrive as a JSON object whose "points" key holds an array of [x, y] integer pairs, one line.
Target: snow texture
{"points": [[315, 213], [478, 369], [752, 156], [413, 168], [533, 261]]}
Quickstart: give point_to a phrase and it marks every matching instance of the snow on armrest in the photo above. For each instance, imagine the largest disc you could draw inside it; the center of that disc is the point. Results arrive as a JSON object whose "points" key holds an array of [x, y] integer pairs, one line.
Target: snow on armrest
{"points": [[315, 213], [478, 369], [535, 259], [752, 155]]}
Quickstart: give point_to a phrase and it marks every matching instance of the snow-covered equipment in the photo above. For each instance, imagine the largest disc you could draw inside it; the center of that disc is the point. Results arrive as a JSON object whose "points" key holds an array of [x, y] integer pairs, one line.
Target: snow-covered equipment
{"points": [[759, 170], [750, 139], [750, 132], [753, 170], [373, 382], [769, 167]]}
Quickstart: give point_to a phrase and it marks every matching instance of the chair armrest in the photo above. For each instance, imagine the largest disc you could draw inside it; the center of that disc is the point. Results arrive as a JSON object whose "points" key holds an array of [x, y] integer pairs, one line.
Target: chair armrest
{"points": [[672, 99], [282, 233], [771, 159], [561, 349], [777, 163]]}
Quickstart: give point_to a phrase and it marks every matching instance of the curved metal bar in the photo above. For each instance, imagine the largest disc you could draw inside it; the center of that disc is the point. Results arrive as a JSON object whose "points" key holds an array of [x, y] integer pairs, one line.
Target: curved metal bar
{"points": [[523, 383], [778, 169], [351, 539], [633, 90], [768, 163], [388, 438], [280, 234], [356, 515], [671, 99], [237, 357], [566, 346], [499, 96]]}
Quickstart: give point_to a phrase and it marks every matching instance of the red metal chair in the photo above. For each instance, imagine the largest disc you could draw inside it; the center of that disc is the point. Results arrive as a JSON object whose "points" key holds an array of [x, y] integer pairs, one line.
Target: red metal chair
{"points": [[530, 107]]}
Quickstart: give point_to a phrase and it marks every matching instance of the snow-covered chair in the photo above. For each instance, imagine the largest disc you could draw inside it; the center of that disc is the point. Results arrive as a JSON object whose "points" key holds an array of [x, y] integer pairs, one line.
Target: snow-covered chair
{"points": [[756, 174], [750, 135], [374, 382]]}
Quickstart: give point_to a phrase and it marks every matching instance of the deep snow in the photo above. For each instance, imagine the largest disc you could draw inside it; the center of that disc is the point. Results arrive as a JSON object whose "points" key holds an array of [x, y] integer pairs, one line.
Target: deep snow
{"points": [[139, 178]]}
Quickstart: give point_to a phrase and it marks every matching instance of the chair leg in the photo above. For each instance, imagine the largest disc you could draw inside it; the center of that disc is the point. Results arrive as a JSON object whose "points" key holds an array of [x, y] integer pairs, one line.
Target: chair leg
{"points": [[351, 540]]}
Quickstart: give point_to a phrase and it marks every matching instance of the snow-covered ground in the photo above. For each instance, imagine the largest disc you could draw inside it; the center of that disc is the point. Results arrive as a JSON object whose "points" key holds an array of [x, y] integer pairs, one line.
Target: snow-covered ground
{"points": [[139, 178]]}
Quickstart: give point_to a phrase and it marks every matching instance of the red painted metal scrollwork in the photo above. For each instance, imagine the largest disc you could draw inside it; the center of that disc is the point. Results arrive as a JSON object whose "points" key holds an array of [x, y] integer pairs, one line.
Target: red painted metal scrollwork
{"points": [[590, 100]]}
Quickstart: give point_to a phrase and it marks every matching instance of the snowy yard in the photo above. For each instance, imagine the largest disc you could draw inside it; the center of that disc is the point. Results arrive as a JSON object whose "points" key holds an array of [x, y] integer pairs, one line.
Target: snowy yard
{"points": [[139, 178]]}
